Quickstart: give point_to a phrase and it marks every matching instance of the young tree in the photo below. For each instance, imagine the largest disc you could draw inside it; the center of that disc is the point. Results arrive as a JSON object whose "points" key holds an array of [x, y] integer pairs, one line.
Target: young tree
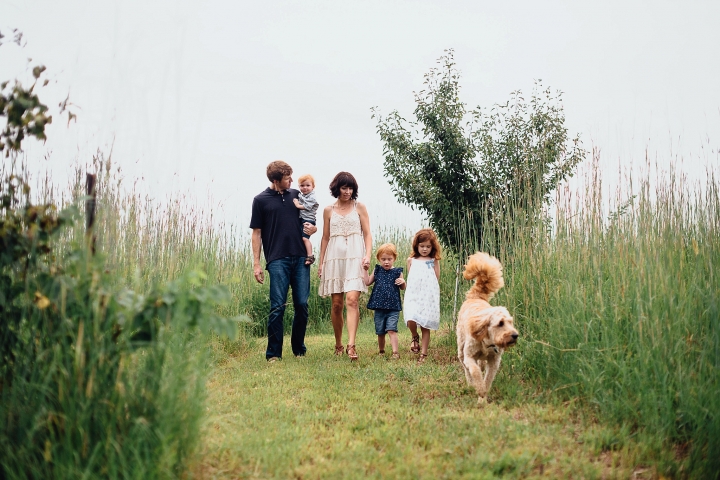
{"points": [[464, 170]]}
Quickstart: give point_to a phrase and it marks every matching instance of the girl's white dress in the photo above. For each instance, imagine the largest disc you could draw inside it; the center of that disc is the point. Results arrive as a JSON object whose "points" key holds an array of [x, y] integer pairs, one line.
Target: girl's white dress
{"points": [[342, 266], [422, 295]]}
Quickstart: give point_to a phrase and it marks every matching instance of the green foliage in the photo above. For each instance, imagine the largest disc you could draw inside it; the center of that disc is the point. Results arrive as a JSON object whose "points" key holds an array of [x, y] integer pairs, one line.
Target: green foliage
{"points": [[96, 379], [90, 369], [620, 312], [464, 172]]}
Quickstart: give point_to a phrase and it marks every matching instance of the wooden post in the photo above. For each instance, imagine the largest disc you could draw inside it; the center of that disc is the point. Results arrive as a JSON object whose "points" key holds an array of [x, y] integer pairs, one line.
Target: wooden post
{"points": [[90, 211]]}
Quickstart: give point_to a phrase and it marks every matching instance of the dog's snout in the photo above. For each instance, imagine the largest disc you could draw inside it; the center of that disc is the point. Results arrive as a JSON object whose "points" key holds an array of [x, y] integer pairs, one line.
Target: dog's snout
{"points": [[515, 336]]}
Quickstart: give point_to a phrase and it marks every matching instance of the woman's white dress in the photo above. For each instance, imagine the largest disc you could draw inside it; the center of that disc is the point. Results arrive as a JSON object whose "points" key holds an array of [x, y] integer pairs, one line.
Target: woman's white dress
{"points": [[342, 266], [422, 295]]}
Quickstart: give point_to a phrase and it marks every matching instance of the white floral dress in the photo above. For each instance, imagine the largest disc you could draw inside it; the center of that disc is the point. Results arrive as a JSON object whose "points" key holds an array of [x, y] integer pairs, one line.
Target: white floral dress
{"points": [[422, 295], [342, 266]]}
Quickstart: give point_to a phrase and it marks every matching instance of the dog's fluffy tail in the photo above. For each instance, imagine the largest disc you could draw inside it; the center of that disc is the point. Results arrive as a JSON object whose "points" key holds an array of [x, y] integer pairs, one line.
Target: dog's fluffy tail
{"points": [[486, 270]]}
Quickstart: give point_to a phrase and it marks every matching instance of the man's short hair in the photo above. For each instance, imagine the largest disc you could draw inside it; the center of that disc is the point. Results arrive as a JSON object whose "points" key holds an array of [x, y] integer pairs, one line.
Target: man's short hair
{"points": [[277, 170], [307, 178]]}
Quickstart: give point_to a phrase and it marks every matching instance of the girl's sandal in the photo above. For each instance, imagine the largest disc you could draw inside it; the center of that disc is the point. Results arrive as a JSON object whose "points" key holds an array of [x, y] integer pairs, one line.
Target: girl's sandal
{"points": [[421, 359], [415, 344], [339, 350], [350, 350], [395, 356]]}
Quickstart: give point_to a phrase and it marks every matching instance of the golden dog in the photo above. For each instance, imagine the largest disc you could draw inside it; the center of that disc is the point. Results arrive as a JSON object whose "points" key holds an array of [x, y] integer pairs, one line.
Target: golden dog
{"points": [[483, 331]]}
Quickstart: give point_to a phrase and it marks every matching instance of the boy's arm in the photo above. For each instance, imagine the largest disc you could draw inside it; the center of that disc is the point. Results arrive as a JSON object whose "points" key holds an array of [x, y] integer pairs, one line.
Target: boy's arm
{"points": [[298, 205]]}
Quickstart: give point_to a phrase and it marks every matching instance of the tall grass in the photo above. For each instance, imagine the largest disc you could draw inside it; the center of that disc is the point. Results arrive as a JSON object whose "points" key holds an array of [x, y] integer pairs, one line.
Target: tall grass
{"points": [[616, 299], [618, 307]]}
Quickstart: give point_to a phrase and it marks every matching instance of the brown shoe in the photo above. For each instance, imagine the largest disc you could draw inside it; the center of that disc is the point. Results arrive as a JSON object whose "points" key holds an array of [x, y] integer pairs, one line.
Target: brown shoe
{"points": [[350, 350], [415, 344]]}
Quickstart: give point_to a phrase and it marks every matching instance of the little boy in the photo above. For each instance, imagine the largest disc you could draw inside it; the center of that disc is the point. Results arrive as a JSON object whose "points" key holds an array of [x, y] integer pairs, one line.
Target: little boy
{"points": [[385, 297], [308, 205]]}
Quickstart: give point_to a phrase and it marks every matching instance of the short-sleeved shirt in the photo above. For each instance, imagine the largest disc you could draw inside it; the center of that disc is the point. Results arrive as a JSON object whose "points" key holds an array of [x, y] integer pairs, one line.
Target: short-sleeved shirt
{"points": [[385, 294], [311, 205], [275, 214]]}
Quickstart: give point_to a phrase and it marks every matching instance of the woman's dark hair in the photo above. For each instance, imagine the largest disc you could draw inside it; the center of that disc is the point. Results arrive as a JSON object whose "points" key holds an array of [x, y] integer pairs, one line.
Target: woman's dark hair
{"points": [[343, 179]]}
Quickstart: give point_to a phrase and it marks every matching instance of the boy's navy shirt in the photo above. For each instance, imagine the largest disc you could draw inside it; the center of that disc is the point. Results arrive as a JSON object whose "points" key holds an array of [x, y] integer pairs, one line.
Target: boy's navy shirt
{"points": [[276, 216]]}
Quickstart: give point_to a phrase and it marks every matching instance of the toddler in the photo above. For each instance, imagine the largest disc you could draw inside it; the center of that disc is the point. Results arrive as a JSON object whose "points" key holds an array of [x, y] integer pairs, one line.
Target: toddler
{"points": [[308, 205], [422, 299], [385, 297]]}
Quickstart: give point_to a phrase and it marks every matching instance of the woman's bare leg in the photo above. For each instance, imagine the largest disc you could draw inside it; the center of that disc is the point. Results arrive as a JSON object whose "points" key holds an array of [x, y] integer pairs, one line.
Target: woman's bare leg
{"points": [[353, 315], [336, 316]]}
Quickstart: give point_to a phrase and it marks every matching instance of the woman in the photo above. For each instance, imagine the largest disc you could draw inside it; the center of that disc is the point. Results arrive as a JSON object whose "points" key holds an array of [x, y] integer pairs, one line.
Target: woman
{"points": [[345, 251]]}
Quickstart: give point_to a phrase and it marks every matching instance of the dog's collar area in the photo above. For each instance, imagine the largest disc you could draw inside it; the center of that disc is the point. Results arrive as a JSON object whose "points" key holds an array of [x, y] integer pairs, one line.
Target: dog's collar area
{"points": [[492, 347]]}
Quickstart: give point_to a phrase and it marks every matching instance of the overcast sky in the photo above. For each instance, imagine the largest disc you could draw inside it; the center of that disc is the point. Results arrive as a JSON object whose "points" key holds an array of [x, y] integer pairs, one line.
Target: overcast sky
{"points": [[200, 96]]}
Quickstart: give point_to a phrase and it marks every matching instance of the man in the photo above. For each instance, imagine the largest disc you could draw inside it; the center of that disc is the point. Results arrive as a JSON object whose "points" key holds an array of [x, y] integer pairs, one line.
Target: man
{"points": [[274, 230]]}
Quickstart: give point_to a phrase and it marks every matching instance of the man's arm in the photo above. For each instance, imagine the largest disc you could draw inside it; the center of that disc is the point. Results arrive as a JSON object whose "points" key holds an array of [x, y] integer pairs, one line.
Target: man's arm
{"points": [[309, 228], [256, 249]]}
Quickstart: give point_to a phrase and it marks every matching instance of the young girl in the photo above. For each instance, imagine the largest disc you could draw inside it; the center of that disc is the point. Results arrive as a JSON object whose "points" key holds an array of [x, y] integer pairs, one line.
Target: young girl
{"points": [[422, 297]]}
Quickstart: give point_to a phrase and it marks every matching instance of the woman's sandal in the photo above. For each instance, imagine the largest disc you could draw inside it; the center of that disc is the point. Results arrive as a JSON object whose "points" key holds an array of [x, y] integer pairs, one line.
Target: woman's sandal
{"points": [[309, 260], [421, 359], [415, 344], [350, 350], [339, 350]]}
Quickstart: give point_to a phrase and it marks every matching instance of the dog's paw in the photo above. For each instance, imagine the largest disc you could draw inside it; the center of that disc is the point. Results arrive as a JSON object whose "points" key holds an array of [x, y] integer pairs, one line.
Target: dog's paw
{"points": [[481, 402]]}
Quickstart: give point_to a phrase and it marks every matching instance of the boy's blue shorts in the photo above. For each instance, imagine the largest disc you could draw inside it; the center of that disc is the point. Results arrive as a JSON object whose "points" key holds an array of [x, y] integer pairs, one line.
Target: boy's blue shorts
{"points": [[386, 321], [302, 226]]}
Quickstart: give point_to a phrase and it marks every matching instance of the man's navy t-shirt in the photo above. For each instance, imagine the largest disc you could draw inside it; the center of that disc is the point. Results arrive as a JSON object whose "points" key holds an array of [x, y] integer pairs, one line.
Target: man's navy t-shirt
{"points": [[274, 213]]}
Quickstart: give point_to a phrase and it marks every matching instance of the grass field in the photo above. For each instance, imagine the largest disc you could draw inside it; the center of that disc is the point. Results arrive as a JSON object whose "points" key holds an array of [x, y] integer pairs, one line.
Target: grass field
{"points": [[324, 417], [615, 375]]}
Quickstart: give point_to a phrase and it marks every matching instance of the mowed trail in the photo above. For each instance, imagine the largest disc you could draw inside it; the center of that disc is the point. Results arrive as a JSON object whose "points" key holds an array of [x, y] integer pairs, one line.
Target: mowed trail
{"points": [[322, 416]]}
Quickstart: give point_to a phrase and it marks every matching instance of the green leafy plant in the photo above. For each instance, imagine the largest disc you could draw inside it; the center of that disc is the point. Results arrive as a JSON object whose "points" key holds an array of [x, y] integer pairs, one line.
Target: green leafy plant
{"points": [[474, 173], [97, 380]]}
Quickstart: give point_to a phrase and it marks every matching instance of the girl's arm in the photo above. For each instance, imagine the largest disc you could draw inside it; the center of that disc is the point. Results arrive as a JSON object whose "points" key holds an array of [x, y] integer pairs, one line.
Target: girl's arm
{"points": [[367, 235], [325, 237], [368, 279], [400, 282], [437, 269], [409, 262]]}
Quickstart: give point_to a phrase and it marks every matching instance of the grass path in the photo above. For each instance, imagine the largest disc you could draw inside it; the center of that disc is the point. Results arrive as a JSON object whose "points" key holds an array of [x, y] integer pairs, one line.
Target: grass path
{"points": [[323, 417]]}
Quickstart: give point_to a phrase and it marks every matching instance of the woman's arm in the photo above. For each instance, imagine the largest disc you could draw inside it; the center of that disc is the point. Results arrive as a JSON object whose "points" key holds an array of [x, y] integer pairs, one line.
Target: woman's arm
{"points": [[367, 235], [325, 237]]}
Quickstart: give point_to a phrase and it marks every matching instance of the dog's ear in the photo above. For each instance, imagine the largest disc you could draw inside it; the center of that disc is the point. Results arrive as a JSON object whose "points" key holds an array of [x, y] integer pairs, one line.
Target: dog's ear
{"points": [[479, 327]]}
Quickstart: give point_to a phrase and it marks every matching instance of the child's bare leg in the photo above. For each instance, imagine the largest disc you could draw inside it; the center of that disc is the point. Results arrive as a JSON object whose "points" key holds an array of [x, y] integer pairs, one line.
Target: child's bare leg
{"points": [[413, 327], [393, 341], [308, 251], [425, 342], [381, 343], [414, 347]]}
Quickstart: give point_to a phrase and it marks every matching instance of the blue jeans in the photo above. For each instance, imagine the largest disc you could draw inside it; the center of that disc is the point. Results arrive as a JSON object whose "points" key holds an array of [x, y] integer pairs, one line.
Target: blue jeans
{"points": [[386, 321], [288, 272]]}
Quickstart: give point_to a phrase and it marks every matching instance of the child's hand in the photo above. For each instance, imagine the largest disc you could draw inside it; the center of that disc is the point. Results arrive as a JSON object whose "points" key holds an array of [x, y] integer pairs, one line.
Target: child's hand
{"points": [[400, 281], [366, 266], [298, 204]]}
